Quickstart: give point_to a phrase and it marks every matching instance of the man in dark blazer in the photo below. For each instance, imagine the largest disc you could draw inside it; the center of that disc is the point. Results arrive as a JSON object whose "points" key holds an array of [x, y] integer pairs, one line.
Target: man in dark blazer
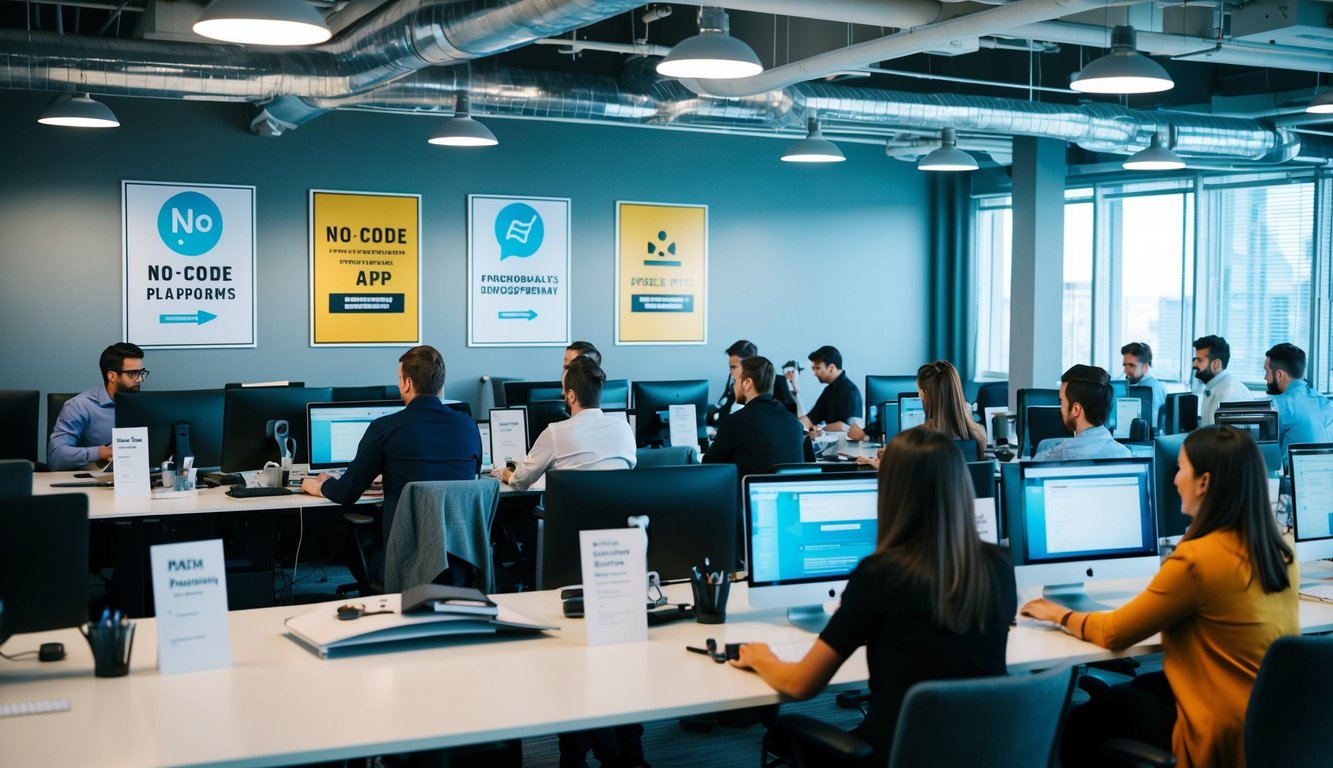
{"points": [[761, 434]]}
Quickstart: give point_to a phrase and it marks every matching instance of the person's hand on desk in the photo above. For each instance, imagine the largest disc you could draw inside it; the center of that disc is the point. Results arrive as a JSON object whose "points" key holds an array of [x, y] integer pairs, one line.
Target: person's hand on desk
{"points": [[751, 653], [854, 432], [314, 485], [104, 453], [1045, 610], [874, 462]]}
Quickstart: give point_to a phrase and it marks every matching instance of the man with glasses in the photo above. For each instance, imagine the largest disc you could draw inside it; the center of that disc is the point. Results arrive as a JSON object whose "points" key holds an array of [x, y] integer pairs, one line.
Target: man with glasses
{"points": [[82, 435]]}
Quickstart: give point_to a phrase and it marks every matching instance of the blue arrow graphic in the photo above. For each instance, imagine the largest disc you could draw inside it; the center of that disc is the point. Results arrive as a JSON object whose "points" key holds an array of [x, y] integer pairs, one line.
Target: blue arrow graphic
{"points": [[198, 318], [526, 314]]}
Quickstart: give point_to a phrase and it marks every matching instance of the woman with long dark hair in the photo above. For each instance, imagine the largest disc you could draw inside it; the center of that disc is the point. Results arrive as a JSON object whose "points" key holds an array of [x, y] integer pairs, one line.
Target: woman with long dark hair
{"points": [[1222, 597], [931, 602]]}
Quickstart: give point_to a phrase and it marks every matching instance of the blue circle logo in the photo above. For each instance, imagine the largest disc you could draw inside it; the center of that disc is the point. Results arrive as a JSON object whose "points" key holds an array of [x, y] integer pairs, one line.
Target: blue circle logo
{"points": [[190, 224], [519, 231]]}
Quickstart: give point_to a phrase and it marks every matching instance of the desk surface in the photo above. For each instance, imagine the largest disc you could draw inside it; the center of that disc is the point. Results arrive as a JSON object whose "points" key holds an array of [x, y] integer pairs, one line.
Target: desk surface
{"points": [[280, 704]]}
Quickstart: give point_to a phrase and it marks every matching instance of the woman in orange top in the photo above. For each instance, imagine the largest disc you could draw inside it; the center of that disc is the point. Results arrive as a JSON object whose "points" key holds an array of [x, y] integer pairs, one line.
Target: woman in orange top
{"points": [[1221, 598]]}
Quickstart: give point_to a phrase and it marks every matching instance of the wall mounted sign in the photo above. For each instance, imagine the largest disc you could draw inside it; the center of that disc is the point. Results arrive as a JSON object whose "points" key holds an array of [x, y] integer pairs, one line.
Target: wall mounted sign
{"points": [[365, 269], [661, 274], [189, 264], [518, 271]]}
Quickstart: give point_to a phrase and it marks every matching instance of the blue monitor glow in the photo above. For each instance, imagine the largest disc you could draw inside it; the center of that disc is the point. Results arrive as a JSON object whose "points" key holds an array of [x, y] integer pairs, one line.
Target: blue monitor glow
{"points": [[804, 536], [1171, 522], [1312, 499], [911, 412], [199, 411], [335, 429], [652, 407], [1079, 521]]}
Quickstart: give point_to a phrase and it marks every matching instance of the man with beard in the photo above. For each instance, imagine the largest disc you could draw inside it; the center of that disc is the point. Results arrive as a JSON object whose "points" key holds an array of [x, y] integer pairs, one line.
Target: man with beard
{"points": [[728, 403], [1085, 402], [81, 437], [762, 433], [1138, 366], [1303, 415], [1211, 355], [839, 406]]}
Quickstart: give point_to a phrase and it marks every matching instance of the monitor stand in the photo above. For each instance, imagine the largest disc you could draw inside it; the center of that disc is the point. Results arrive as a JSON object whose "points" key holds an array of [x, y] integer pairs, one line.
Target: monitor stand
{"points": [[811, 618], [1073, 597]]}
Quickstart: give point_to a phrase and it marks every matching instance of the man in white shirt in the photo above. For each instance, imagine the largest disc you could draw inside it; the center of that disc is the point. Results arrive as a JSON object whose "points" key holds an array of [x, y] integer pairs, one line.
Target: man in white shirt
{"points": [[1211, 356], [588, 439]]}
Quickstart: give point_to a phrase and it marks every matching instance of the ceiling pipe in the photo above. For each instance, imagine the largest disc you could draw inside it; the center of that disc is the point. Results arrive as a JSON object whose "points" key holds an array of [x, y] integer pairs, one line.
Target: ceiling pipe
{"points": [[876, 13]]}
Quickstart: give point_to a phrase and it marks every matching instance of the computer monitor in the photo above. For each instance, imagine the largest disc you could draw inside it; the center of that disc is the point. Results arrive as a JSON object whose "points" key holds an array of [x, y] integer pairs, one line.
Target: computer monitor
{"points": [[541, 414], [911, 411], [804, 534], [1119, 388], [523, 392], [335, 429], [652, 407], [15, 477], [1312, 499], [1260, 425], [885, 389], [1171, 523], [1044, 423], [1245, 405], [484, 429], [247, 441], [163, 413], [43, 563], [1135, 404], [690, 510], [1082, 520], [983, 478], [19, 423], [615, 394], [1180, 413], [987, 505], [888, 418], [1026, 398], [364, 393]]}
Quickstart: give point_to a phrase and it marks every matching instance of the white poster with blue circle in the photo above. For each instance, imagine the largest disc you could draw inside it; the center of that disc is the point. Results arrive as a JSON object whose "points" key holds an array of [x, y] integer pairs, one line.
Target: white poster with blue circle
{"points": [[189, 261], [518, 271]]}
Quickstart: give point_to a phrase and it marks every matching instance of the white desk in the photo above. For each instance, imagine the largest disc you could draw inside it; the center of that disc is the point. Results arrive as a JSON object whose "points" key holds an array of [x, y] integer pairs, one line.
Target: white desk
{"points": [[103, 505], [280, 704]]}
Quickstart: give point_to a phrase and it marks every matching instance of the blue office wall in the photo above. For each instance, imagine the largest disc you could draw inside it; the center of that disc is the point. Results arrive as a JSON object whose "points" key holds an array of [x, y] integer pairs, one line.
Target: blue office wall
{"points": [[799, 256]]}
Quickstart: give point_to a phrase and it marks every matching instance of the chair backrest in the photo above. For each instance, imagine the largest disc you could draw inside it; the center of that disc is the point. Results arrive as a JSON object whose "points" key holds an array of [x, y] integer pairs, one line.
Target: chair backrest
{"points": [[1012, 720], [1043, 422], [19, 419], [15, 477], [992, 394], [1288, 720], [367, 392], [666, 456], [439, 521], [55, 402], [1027, 398]]}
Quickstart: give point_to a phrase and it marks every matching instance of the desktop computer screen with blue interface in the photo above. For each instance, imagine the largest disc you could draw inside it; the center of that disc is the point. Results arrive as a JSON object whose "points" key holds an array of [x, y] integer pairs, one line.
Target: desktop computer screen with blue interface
{"points": [[336, 429], [911, 412], [805, 535], [1312, 500]]}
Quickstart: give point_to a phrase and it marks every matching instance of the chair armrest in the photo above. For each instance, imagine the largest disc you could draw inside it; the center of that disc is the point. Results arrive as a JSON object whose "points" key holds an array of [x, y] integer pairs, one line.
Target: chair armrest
{"points": [[357, 518], [819, 736], [1137, 753]]}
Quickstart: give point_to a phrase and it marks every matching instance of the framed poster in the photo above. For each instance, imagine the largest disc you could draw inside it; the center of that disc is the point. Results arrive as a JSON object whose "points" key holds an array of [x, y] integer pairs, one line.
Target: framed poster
{"points": [[365, 269], [518, 271], [189, 264], [661, 273]]}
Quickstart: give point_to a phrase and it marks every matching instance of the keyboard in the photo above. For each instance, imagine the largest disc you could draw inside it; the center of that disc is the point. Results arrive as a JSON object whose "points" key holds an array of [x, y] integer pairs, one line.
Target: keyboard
{"points": [[792, 652], [1318, 592], [253, 492], [35, 707]]}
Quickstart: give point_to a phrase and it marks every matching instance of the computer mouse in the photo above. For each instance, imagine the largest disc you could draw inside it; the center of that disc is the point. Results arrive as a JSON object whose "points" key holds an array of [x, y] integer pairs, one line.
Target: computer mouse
{"points": [[51, 652]]}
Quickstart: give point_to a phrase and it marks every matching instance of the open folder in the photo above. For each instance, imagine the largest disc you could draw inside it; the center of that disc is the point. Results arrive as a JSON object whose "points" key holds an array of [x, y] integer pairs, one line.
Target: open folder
{"points": [[325, 633]]}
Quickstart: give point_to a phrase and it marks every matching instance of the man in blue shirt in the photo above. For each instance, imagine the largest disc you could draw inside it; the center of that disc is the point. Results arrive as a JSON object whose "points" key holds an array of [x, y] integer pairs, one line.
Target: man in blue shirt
{"points": [[1138, 365], [1303, 415], [1085, 402], [425, 441], [81, 437]]}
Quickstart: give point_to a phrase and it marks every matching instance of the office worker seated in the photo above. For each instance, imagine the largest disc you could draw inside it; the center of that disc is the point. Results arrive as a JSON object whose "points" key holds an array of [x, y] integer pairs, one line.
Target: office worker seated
{"points": [[1136, 359], [1085, 403], [941, 391], [81, 437], [1222, 597], [728, 402], [931, 602], [1212, 354], [425, 441], [839, 406], [582, 349], [588, 439], [1303, 415], [763, 432]]}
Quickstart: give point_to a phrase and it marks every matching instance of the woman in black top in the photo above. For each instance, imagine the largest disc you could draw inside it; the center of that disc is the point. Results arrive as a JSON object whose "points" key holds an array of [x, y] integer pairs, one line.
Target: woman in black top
{"points": [[931, 602]]}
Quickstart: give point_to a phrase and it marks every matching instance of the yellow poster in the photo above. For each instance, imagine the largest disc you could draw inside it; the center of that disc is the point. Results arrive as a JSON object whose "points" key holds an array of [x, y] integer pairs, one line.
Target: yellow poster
{"points": [[661, 274], [365, 269]]}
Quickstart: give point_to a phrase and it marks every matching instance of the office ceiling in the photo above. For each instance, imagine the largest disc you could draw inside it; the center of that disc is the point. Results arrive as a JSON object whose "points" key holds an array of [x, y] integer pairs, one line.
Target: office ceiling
{"points": [[890, 72]]}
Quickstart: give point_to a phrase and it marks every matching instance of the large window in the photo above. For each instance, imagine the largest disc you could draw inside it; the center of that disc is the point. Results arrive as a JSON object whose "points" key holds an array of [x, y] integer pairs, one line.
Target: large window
{"points": [[1077, 337], [993, 225]]}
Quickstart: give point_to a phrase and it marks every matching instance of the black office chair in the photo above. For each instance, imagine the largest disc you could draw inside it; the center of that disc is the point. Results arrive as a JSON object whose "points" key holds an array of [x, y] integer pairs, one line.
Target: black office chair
{"points": [[1012, 720], [1043, 423], [19, 419], [992, 394], [55, 402], [15, 477], [1027, 398], [666, 456]]}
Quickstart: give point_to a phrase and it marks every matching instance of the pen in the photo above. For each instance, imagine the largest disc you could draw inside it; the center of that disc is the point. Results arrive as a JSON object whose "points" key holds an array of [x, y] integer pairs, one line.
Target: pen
{"points": [[701, 651]]}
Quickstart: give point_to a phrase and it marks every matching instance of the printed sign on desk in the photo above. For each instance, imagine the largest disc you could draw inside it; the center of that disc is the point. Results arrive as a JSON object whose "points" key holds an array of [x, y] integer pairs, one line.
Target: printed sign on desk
{"points": [[615, 591], [661, 274], [129, 462], [518, 271], [190, 595], [683, 426], [189, 258], [365, 269]]}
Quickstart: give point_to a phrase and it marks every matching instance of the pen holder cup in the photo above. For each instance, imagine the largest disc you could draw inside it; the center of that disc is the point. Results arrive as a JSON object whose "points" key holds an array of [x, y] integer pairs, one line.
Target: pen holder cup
{"points": [[710, 599], [169, 479], [111, 647], [272, 477]]}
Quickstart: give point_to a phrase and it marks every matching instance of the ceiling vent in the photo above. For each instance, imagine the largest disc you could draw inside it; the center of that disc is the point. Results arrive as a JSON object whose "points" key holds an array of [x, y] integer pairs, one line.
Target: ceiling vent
{"points": [[1303, 23]]}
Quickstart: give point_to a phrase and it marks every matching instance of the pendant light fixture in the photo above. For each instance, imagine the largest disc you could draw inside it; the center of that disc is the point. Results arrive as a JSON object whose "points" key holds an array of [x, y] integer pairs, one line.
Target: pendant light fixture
{"points": [[1157, 157], [1123, 70], [461, 130], [78, 111], [948, 157], [814, 148], [1322, 103], [263, 22], [711, 54]]}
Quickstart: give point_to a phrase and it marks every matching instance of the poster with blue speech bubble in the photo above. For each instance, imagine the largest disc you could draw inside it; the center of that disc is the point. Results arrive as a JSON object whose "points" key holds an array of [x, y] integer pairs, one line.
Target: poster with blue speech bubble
{"points": [[518, 271], [189, 264]]}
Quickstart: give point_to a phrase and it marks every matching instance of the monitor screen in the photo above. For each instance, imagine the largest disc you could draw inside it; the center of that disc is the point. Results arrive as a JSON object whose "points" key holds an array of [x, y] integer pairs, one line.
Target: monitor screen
{"points": [[911, 412], [1180, 413], [888, 416], [804, 536], [541, 414], [523, 392], [246, 441], [1083, 520], [1171, 523], [1260, 425], [652, 407], [336, 429], [484, 429], [162, 412], [1312, 500], [615, 394], [886, 389]]}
